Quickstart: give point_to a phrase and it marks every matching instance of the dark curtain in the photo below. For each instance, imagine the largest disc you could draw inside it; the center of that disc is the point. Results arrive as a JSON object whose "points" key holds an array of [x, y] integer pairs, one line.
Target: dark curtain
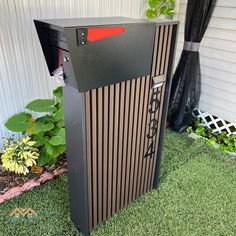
{"points": [[186, 84]]}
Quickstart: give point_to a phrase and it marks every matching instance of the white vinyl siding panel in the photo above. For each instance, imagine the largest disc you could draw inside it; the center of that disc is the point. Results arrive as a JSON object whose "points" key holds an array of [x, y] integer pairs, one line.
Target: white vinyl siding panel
{"points": [[217, 59]]}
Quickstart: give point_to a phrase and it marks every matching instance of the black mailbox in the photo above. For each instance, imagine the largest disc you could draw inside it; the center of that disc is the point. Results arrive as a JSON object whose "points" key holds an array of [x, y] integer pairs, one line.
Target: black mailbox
{"points": [[117, 74]]}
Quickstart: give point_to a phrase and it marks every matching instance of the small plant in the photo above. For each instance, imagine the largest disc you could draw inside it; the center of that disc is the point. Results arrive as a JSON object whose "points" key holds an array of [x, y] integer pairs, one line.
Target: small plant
{"points": [[226, 142], [19, 155], [47, 130], [160, 7]]}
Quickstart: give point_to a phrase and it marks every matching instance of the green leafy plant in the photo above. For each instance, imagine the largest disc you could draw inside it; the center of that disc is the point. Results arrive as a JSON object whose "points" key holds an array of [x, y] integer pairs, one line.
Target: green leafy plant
{"points": [[47, 130], [226, 142], [19, 155], [160, 7]]}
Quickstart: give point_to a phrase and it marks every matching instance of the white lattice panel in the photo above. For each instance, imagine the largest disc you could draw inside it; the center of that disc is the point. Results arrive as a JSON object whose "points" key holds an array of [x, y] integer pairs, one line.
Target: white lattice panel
{"points": [[215, 123]]}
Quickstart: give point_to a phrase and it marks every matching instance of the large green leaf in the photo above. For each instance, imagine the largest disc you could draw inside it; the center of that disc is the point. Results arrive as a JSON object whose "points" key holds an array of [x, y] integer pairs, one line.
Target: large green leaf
{"points": [[19, 122], [58, 92], [41, 105], [60, 123], [54, 151], [49, 149], [46, 119], [50, 153], [58, 150], [154, 3], [171, 3], [59, 115], [160, 7], [40, 139], [59, 138], [163, 9], [56, 140], [42, 127], [44, 158], [151, 13], [170, 12], [62, 134]]}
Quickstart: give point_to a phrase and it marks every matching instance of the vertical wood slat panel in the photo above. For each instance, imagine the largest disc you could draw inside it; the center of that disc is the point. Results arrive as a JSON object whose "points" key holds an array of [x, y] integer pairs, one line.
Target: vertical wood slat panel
{"points": [[117, 140], [160, 70], [147, 142], [157, 71], [134, 138], [161, 107], [105, 151], [126, 125], [159, 50], [121, 144], [100, 153], [156, 60], [164, 47], [143, 124], [160, 98], [115, 148], [130, 129], [139, 130], [110, 154], [156, 63], [94, 154], [164, 68], [142, 151], [147, 117]]}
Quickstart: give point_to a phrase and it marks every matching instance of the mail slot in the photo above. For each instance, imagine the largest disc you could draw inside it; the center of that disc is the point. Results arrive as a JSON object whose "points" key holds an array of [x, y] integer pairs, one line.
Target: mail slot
{"points": [[117, 74]]}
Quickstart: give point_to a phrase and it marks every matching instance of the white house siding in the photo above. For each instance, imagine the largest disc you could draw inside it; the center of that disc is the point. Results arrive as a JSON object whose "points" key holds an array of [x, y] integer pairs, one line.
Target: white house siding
{"points": [[218, 60], [23, 72]]}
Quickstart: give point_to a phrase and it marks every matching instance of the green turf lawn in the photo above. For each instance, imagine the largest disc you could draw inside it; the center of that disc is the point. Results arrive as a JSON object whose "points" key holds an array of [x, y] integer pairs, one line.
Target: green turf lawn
{"points": [[196, 196]]}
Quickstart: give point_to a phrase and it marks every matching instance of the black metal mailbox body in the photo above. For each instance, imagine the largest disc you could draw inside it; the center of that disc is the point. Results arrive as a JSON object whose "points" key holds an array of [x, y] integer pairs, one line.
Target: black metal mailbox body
{"points": [[93, 62], [117, 73]]}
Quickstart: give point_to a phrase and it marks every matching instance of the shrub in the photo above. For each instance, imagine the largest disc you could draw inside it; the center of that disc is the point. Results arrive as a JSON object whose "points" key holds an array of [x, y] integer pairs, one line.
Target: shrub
{"points": [[47, 130], [18, 155], [226, 142], [160, 7]]}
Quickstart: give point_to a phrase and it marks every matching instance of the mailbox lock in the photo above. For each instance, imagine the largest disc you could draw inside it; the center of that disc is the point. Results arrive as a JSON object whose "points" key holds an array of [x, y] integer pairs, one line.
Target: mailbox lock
{"points": [[82, 36]]}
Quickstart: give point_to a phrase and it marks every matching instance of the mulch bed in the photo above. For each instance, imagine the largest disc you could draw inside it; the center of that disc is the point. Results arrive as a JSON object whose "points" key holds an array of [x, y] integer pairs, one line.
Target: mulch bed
{"points": [[12, 185]]}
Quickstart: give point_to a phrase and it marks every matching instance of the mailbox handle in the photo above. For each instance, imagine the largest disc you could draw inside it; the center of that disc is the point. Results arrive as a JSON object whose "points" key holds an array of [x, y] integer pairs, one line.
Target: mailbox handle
{"points": [[58, 74]]}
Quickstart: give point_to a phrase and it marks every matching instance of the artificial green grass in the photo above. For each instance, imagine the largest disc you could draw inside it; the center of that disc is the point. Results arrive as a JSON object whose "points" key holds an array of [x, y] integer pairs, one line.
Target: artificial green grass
{"points": [[196, 196]]}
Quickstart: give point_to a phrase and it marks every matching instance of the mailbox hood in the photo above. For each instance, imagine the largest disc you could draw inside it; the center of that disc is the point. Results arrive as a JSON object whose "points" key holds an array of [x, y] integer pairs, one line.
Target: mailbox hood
{"points": [[102, 51]]}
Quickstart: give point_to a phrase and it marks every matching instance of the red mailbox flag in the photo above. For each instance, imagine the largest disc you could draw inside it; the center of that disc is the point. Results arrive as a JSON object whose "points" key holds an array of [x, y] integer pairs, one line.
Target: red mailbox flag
{"points": [[95, 34]]}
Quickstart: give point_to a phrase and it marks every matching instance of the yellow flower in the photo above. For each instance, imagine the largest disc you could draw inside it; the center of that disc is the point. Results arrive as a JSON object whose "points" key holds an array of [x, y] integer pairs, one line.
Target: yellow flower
{"points": [[28, 162], [31, 143]]}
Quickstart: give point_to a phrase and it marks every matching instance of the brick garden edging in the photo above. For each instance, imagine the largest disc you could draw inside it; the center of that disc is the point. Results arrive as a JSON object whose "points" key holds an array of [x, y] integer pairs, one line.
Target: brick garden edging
{"points": [[45, 177]]}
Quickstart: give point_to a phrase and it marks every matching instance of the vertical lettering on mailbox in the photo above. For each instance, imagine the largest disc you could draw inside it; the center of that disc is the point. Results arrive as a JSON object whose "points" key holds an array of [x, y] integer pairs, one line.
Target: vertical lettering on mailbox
{"points": [[154, 104]]}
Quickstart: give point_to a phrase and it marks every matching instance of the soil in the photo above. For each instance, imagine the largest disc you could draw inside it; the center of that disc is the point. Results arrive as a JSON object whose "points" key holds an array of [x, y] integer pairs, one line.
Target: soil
{"points": [[9, 179]]}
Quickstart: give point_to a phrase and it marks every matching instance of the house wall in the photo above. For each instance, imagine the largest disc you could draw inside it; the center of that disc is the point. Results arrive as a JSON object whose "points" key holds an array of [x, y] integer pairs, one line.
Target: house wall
{"points": [[23, 72], [218, 60]]}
